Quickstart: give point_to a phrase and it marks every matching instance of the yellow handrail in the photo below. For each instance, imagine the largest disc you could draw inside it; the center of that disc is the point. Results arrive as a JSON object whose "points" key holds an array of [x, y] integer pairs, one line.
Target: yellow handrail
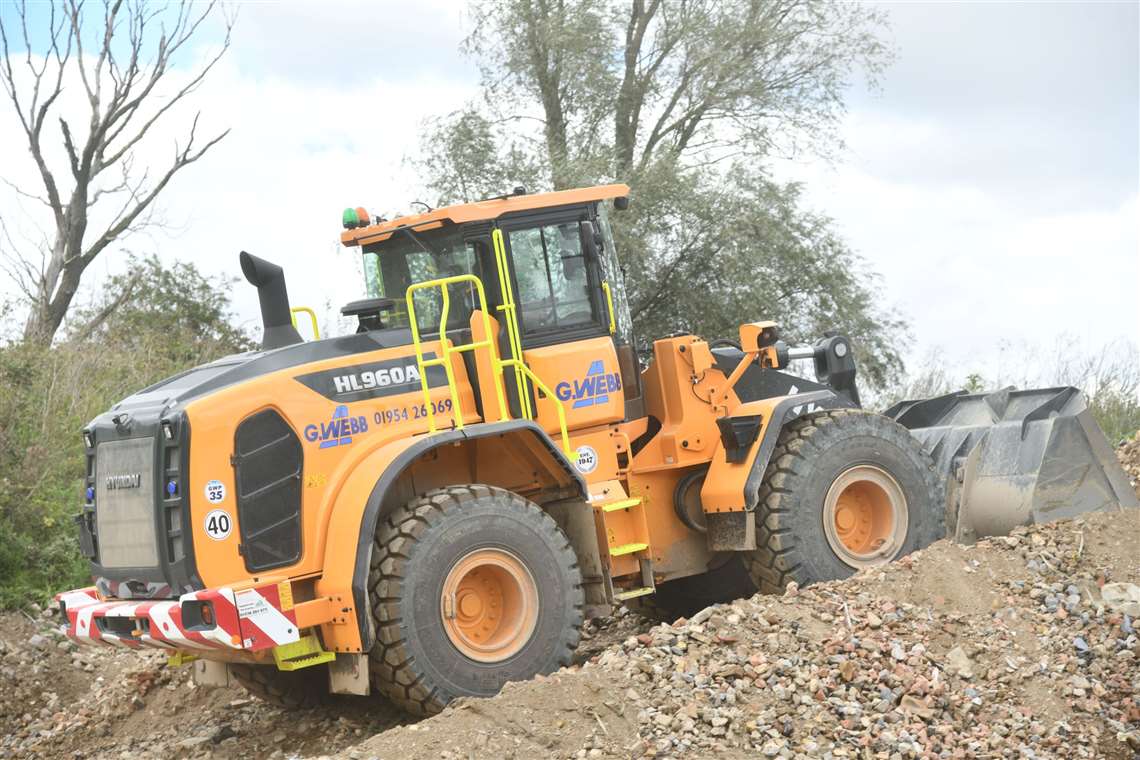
{"points": [[511, 312], [445, 350], [522, 372], [312, 316], [523, 369], [610, 305]]}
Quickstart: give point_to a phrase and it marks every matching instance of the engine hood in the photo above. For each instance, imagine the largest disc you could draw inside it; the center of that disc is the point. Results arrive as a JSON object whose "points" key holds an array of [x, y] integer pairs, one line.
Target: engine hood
{"points": [[209, 378]]}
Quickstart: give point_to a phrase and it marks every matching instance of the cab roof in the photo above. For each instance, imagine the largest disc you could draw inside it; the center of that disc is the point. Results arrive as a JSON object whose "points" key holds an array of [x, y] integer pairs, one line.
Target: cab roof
{"points": [[479, 211]]}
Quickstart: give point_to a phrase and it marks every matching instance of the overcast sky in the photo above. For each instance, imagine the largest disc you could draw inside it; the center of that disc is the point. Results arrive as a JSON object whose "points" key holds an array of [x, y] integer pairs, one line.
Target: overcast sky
{"points": [[992, 180]]}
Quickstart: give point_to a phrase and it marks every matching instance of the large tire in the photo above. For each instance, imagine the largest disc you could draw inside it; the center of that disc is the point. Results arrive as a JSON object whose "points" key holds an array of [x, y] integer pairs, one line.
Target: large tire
{"points": [[294, 689], [686, 596], [802, 515], [422, 549]]}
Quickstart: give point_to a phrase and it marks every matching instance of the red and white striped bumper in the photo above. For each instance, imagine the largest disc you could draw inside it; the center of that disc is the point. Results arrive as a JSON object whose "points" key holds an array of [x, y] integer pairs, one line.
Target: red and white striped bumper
{"points": [[250, 619]]}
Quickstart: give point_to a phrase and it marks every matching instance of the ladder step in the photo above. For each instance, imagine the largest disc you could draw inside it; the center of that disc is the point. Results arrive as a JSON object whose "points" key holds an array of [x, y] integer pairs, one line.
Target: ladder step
{"points": [[633, 593], [624, 549], [303, 653], [622, 504]]}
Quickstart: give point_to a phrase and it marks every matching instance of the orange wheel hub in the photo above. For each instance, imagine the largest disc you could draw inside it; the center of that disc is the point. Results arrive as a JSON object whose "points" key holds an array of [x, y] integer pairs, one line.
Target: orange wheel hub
{"points": [[865, 516], [489, 605]]}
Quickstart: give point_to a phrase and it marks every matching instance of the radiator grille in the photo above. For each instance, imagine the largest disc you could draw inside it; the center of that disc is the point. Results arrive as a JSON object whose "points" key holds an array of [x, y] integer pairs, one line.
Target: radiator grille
{"points": [[267, 463], [124, 503]]}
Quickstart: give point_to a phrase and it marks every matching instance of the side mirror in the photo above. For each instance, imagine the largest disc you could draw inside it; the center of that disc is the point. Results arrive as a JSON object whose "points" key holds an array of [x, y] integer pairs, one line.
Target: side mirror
{"points": [[621, 203]]}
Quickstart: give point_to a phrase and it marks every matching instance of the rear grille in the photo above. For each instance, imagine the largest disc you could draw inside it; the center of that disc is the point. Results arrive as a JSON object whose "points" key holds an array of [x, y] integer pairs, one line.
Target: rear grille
{"points": [[124, 503], [267, 464]]}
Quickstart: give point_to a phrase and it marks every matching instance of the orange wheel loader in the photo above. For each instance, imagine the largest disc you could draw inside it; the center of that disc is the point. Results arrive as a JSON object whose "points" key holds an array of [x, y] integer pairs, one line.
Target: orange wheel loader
{"points": [[428, 507]]}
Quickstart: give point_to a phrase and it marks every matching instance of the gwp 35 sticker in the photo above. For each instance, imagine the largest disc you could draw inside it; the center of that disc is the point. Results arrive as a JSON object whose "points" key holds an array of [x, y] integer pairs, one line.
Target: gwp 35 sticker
{"points": [[215, 492]]}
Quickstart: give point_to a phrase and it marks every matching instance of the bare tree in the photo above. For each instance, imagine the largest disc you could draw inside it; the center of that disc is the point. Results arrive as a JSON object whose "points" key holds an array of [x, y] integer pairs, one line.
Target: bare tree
{"points": [[123, 78]]}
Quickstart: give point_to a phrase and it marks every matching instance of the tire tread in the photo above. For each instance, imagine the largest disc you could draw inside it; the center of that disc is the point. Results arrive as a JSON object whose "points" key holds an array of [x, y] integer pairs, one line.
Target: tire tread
{"points": [[395, 672], [777, 559]]}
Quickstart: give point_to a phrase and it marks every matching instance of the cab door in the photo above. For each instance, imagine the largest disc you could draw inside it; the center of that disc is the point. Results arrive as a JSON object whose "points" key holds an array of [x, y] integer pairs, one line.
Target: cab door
{"points": [[563, 317]]}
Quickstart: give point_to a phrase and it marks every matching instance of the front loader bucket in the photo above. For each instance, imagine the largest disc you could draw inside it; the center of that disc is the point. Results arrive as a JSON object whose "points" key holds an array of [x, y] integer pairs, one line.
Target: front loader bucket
{"points": [[1016, 457]]}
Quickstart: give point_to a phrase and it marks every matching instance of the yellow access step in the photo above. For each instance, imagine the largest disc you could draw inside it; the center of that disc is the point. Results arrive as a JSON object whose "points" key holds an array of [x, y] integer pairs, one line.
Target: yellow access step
{"points": [[624, 549], [633, 593], [303, 653], [614, 506]]}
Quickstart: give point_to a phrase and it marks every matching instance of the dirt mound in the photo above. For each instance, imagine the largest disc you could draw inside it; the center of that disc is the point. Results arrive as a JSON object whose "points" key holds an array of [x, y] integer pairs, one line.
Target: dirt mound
{"points": [[1021, 646], [1008, 648], [58, 699]]}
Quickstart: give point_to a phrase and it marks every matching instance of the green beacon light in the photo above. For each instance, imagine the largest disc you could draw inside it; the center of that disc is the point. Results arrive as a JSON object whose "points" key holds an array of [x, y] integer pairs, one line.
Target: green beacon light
{"points": [[349, 220]]}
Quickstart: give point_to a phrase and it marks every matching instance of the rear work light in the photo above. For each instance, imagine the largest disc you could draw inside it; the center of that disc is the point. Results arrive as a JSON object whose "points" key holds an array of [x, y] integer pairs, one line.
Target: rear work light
{"points": [[198, 616]]}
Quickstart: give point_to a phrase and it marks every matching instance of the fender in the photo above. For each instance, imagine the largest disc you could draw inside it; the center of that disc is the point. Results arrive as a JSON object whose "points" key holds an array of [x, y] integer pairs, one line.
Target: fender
{"points": [[363, 500], [734, 486]]}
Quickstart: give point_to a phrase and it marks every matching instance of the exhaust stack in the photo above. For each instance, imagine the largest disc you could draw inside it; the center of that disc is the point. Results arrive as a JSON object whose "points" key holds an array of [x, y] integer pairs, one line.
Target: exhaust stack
{"points": [[274, 298]]}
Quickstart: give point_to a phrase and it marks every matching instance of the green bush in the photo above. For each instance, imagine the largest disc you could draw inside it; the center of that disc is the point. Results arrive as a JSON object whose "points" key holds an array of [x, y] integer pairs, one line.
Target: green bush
{"points": [[165, 320]]}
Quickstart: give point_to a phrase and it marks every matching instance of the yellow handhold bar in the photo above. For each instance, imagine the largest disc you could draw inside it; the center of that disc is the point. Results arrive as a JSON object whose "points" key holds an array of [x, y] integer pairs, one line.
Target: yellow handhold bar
{"points": [[511, 313], [446, 350], [610, 305], [312, 316], [522, 372]]}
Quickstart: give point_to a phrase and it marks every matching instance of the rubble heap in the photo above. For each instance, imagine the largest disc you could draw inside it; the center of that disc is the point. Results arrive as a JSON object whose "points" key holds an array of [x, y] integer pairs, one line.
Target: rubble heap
{"points": [[1023, 646]]}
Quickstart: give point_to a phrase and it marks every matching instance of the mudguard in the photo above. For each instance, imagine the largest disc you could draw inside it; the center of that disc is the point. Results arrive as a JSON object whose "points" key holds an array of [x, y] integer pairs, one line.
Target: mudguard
{"points": [[731, 489], [364, 499]]}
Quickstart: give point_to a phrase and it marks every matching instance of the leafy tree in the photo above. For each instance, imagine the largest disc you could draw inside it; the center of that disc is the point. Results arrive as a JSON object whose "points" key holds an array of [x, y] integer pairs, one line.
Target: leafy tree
{"points": [[165, 319], [684, 100], [152, 300]]}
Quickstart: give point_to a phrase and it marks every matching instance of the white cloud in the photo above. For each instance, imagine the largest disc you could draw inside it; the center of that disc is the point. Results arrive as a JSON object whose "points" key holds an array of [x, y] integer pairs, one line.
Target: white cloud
{"points": [[973, 264], [991, 189]]}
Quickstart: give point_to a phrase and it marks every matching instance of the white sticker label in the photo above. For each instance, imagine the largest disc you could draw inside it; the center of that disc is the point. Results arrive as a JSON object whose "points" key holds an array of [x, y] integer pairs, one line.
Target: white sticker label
{"points": [[587, 460], [215, 492], [218, 524], [251, 604]]}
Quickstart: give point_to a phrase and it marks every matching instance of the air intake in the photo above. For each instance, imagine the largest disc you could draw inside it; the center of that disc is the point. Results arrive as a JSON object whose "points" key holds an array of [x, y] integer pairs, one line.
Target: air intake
{"points": [[274, 298]]}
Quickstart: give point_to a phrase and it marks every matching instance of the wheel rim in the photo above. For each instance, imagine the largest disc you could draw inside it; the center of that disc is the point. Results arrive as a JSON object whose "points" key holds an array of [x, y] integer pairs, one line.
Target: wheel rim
{"points": [[865, 516], [489, 605]]}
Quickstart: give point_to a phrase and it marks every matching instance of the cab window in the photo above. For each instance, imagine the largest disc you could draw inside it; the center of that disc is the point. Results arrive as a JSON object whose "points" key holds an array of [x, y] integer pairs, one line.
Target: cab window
{"points": [[404, 259], [553, 283]]}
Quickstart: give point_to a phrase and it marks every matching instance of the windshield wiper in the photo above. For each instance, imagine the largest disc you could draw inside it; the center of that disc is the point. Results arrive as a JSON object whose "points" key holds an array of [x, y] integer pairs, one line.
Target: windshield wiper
{"points": [[416, 239]]}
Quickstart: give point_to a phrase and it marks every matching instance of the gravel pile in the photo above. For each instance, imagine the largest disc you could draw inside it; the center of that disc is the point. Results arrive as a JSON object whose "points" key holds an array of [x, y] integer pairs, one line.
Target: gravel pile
{"points": [[1039, 661], [1024, 646], [1129, 455], [58, 699]]}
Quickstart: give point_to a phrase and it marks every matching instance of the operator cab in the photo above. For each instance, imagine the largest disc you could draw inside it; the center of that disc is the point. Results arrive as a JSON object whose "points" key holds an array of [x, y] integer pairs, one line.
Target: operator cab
{"points": [[554, 254]]}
